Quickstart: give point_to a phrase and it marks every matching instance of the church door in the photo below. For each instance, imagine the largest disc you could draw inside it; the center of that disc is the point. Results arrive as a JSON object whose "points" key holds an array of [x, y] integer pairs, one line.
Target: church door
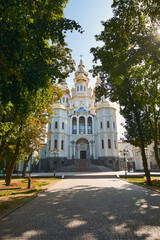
{"points": [[82, 154]]}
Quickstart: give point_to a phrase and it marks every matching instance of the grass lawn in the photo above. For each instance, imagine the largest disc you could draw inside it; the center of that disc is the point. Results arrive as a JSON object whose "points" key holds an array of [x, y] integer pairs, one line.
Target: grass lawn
{"points": [[18, 192], [142, 182]]}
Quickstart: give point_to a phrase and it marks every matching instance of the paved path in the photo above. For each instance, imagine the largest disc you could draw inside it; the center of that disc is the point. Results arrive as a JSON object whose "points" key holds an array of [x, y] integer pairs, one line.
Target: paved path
{"points": [[87, 209]]}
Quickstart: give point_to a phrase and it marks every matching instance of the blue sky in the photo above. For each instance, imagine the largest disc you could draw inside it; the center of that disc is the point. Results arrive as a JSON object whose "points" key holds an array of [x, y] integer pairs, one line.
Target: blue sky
{"points": [[89, 14]]}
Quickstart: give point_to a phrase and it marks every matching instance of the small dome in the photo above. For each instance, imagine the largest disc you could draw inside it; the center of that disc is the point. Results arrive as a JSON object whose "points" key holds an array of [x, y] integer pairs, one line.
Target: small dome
{"points": [[64, 87], [81, 73]]}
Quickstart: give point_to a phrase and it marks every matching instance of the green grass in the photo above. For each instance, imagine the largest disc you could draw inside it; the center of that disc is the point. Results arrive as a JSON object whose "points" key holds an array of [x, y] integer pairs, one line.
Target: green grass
{"points": [[18, 186], [17, 193], [142, 182]]}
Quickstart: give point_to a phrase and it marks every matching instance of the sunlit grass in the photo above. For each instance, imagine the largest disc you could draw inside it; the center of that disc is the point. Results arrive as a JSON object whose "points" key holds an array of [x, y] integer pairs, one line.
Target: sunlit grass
{"points": [[12, 196], [142, 182]]}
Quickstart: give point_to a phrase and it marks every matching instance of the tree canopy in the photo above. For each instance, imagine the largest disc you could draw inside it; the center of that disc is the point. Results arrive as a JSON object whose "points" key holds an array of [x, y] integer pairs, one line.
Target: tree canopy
{"points": [[33, 56], [129, 68]]}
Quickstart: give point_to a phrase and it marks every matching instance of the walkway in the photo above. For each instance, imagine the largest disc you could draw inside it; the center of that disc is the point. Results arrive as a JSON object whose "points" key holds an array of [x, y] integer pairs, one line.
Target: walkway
{"points": [[87, 209]]}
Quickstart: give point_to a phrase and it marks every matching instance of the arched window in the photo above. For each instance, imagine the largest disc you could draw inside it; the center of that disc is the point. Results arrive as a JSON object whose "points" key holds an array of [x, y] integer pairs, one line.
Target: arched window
{"points": [[109, 143], [63, 99], [81, 125], [113, 124], [84, 88], [102, 144], [108, 125], [101, 125], [77, 88], [89, 125], [67, 100], [81, 88], [74, 125], [56, 124], [62, 145], [55, 144], [62, 125]]}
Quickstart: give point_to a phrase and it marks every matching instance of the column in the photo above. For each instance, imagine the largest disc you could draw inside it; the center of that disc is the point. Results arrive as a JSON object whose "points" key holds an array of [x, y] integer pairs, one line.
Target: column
{"points": [[77, 125], [70, 151], [93, 149], [86, 126]]}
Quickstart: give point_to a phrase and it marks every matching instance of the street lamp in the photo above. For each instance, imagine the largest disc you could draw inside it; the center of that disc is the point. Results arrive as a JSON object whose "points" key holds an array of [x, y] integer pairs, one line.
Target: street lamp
{"points": [[55, 152], [125, 152]]}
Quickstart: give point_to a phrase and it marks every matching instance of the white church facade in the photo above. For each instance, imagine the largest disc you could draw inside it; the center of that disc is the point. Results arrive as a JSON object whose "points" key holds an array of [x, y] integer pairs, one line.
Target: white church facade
{"points": [[81, 128]]}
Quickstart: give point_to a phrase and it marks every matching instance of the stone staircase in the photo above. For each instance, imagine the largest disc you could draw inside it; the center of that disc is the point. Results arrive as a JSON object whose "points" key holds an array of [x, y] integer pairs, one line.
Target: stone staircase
{"points": [[82, 165]]}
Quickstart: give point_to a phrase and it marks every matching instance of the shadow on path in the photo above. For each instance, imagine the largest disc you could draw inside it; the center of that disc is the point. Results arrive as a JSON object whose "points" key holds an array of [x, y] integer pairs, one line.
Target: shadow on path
{"points": [[93, 209]]}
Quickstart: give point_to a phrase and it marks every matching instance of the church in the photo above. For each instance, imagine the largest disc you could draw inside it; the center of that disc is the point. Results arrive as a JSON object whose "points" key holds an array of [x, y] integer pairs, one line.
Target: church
{"points": [[81, 127]]}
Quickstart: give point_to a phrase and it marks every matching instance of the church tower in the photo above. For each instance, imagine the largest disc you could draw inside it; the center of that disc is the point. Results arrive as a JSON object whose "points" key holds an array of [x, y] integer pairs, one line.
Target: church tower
{"points": [[82, 128]]}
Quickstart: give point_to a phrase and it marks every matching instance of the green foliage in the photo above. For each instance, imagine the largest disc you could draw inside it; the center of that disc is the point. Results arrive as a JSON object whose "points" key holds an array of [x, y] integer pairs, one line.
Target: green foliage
{"points": [[30, 64], [129, 68]]}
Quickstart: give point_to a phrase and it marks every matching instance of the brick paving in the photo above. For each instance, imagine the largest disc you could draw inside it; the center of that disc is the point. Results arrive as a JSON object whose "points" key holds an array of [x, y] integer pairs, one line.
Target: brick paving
{"points": [[87, 209]]}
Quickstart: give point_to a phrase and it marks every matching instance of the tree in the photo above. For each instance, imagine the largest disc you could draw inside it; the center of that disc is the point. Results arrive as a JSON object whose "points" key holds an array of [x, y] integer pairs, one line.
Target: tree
{"points": [[32, 131], [126, 67], [28, 61]]}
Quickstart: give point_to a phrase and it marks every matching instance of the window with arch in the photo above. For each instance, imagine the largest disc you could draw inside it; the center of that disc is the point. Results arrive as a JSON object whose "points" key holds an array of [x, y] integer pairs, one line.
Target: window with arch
{"points": [[109, 143], [81, 88], [101, 125], [81, 125], [62, 144], [56, 124], [89, 125], [108, 124], [55, 144], [77, 88], [102, 143], [84, 88], [63, 99], [74, 125], [62, 125], [113, 124], [67, 100]]}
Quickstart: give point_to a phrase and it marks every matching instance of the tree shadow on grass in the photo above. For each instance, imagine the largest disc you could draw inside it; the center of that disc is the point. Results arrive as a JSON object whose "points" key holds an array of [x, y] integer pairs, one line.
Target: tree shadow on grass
{"points": [[87, 211]]}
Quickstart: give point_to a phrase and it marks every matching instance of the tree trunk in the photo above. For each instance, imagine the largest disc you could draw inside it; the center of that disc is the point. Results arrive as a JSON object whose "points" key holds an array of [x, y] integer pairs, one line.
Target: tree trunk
{"points": [[145, 165], [24, 168], [13, 161], [141, 138], [1, 150], [157, 158], [9, 173], [25, 165]]}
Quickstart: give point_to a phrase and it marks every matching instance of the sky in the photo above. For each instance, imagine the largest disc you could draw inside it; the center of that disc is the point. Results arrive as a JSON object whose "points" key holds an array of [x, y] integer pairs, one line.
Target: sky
{"points": [[89, 14]]}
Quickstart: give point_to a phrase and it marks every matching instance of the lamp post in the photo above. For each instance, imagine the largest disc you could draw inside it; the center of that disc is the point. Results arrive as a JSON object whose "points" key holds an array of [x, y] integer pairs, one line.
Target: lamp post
{"points": [[55, 152], [125, 152]]}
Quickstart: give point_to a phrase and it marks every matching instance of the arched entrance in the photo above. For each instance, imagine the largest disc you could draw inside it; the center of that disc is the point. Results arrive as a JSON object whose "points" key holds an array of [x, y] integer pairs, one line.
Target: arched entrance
{"points": [[82, 148]]}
